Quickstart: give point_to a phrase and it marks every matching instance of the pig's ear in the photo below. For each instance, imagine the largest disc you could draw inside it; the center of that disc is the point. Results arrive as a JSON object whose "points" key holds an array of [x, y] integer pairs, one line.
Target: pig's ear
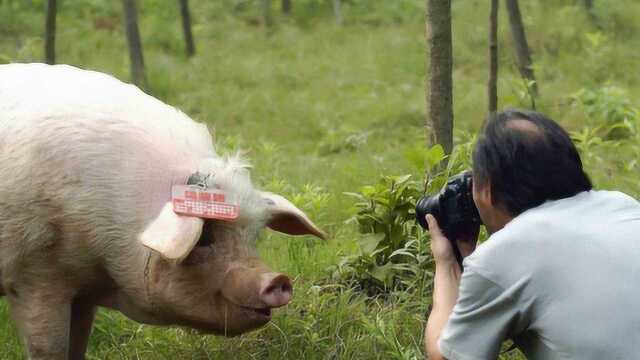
{"points": [[288, 219], [172, 235]]}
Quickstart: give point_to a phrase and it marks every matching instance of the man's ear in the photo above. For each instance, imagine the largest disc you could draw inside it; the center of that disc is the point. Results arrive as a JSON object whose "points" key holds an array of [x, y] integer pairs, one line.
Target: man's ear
{"points": [[172, 235], [483, 193], [487, 194], [287, 218]]}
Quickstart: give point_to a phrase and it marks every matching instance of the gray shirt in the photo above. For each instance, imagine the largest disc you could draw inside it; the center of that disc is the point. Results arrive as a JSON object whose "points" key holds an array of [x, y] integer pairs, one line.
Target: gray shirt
{"points": [[562, 280]]}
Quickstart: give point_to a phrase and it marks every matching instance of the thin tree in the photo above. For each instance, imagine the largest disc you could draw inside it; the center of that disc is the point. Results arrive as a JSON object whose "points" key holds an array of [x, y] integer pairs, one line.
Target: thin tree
{"points": [[337, 10], [440, 78], [286, 6], [135, 46], [266, 12], [50, 33], [588, 5], [186, 27], [522, 49], [492, 84]]}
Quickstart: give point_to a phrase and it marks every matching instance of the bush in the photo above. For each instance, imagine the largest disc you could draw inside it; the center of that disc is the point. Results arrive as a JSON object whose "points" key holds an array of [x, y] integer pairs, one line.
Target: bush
{"points": [[393, 249], [609, 110], [612, 164]]}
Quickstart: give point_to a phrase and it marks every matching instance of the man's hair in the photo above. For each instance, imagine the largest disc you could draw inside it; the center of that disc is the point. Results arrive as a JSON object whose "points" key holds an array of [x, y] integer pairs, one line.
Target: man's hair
{"points": [[528, 159]]}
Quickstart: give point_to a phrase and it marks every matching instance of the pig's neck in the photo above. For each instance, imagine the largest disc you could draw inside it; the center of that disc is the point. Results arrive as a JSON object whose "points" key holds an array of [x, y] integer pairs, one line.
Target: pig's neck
{"points": [[133, 294], [132, 265]]}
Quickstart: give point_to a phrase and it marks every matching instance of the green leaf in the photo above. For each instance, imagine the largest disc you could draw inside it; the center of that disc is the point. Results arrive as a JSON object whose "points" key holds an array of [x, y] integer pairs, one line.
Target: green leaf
{"points": [[368, 190], [382, 273], [370, 242], [396, 235], [401, 179], [415, 155], [355, 195], [374, 218], [434, 156]]}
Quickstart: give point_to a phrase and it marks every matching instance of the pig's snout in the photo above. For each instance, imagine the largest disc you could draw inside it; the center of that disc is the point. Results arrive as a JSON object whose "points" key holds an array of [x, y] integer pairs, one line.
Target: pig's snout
{"points": [[275, 290], [256, 287]]}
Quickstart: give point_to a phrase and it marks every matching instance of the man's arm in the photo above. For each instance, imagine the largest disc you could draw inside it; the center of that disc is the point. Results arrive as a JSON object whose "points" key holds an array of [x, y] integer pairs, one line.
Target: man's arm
{"points": [[471, 314], [445, 293], [446, 282]]}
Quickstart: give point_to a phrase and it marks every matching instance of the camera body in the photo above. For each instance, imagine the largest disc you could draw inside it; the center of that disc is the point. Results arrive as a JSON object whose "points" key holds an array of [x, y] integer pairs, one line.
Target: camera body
{"points": [[453, 208]]}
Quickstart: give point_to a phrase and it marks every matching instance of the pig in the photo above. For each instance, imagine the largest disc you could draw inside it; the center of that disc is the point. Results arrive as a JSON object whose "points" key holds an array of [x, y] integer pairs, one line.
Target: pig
{"points": [[86, 219]]}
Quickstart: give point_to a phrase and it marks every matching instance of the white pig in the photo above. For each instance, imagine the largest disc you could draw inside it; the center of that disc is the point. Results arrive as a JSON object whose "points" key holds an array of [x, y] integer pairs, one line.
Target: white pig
{"points": [[87, 164]]}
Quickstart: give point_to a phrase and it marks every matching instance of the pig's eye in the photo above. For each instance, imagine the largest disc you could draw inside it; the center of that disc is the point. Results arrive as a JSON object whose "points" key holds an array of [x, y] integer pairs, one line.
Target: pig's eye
{"points": [[207, 237], [203, 249]]}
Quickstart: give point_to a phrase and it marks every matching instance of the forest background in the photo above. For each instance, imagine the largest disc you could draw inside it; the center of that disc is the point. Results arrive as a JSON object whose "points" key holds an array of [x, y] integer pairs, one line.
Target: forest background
{"points": [[328, 102]]}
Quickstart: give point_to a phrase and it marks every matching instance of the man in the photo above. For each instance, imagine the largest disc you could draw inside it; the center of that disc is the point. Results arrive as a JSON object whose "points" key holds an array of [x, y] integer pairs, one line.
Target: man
{"points": [[560, 274]]}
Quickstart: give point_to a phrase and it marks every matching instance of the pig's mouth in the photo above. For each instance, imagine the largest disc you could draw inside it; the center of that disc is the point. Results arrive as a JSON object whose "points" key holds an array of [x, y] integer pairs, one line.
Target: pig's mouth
{"points": [[251, 318], [262, 313]]}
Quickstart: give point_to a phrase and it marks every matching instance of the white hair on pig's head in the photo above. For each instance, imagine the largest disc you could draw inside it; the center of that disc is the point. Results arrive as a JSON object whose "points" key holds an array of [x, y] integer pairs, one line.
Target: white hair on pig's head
{"points": [[231, 174]]}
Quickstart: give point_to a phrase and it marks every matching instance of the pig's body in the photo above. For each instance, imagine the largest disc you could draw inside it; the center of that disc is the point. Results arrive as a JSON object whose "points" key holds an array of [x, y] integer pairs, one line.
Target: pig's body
{"points": [[87, 164], [87, 135], [91, 163]]}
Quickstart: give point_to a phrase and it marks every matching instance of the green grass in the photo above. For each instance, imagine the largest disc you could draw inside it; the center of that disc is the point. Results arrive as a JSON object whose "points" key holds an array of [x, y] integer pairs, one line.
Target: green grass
{"points": [[323, 109]]}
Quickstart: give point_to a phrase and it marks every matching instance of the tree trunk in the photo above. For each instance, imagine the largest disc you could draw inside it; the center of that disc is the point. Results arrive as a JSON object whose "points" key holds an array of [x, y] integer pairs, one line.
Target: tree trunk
{"points": [[50, 33], [337, 10], [266, 12], [588, 4], [522, 48], [286, 6], [440, 78], [186, 27], [135, 46], [492, 85]]}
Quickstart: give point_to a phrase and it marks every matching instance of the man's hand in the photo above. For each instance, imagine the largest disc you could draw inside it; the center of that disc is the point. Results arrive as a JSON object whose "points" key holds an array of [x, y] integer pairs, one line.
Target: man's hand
{"points": [[441, 247], [446, 281]]}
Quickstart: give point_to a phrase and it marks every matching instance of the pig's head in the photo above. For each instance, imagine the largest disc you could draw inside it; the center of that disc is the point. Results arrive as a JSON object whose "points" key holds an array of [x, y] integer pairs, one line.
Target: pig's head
{"points": [[205, 274]]}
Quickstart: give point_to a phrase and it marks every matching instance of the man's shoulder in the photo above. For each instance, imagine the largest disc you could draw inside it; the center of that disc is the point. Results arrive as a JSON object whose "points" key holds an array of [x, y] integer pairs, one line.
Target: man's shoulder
{"points": [[541, 235], [519, 234], [610, 198], [510, 251]]}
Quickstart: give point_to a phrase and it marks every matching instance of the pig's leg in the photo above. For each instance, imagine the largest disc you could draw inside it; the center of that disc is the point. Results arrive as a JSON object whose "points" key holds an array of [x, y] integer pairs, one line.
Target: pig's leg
{"points": [[82, 313], [42, 315]]}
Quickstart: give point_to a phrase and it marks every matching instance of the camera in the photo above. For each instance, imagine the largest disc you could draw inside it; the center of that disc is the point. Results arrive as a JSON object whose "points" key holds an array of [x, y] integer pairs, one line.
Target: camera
{"points": [[453, 208]]}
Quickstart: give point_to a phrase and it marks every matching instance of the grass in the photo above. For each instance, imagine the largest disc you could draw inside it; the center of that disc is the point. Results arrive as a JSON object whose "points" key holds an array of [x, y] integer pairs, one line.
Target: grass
{"points": [[323, 109]]}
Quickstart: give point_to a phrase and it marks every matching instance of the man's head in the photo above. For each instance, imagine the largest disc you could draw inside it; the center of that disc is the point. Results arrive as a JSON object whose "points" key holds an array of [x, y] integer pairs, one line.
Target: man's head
{"points": [[522, 160]]}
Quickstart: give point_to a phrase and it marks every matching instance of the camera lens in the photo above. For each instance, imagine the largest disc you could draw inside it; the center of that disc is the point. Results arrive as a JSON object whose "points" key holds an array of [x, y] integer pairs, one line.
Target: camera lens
{"points": [[427, 205]]}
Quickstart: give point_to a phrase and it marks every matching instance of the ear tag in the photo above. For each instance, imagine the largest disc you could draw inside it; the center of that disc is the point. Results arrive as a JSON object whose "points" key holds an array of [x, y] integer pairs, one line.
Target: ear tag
{"points": [[194, 200]]}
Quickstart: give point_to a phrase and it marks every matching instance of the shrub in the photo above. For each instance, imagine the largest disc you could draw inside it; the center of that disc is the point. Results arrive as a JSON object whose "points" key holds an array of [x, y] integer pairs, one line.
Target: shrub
{"points": [[393, 249], [609, 110]]}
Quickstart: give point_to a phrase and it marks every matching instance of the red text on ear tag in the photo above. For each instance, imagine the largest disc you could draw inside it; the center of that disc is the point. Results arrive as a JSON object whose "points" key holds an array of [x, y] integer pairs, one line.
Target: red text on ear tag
{"points": [[205, 203]]}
